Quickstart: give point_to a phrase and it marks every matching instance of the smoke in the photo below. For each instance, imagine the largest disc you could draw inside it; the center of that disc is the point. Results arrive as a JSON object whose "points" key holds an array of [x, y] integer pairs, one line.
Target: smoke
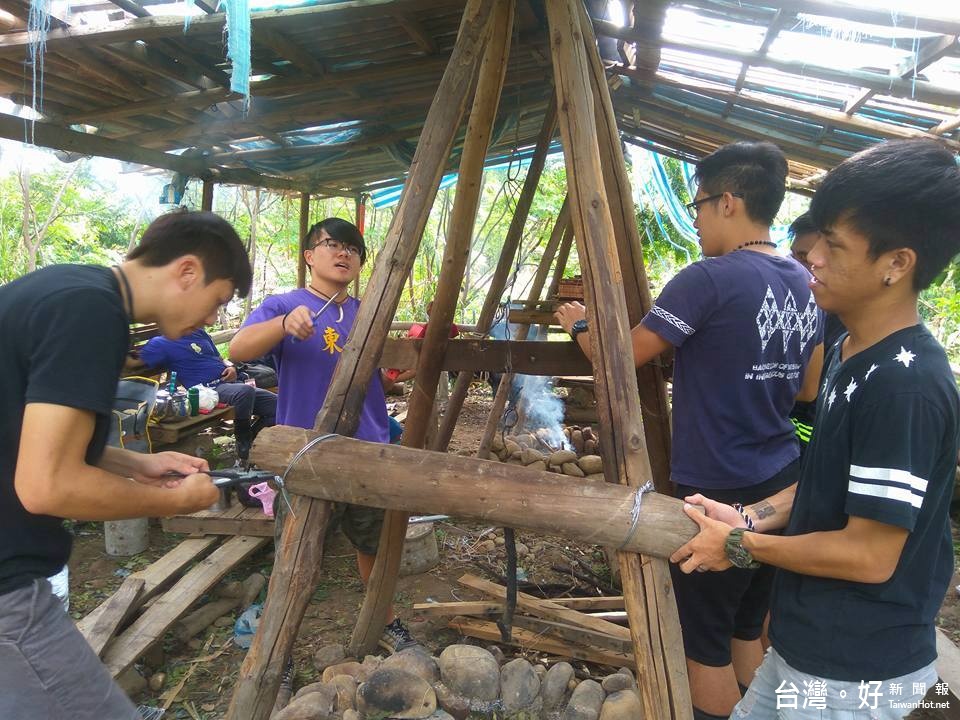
{"points": [[539, 410]]}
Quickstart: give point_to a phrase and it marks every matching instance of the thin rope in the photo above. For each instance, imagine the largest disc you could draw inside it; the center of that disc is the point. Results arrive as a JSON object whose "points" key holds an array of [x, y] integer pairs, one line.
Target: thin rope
{"points": [[38, 25]]}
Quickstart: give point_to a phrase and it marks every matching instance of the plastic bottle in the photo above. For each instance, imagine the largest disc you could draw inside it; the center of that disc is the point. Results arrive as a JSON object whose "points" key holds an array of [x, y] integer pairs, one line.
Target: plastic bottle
{"points": [[172, 387], [194, 395]]}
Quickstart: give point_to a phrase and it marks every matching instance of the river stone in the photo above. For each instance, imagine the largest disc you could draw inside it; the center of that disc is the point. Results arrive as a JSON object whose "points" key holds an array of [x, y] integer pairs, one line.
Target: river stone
{"points": [[496, 443], [395, 693], [328, 655], [522, 549], [497, 654], [441, 715], [470, 671], [327, 690], [597, 477], [589, 446], [487, 546], [622, 705], [539, 465], [528, 456], [457, 705], [554, 687], [616, 683], [591, 464], [510, 446], [346, 687], [416, 661], [312, 706], [628, 672], [562, 456], [585, 703], [351, 668], [352, 715], [576, 439], [519, 685], [540, 670], [571, 469]]}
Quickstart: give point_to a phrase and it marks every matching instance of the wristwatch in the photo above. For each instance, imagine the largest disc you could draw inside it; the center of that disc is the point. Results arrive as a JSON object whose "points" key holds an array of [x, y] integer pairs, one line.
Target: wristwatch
{"points": [[578, 327], [737, 553]]}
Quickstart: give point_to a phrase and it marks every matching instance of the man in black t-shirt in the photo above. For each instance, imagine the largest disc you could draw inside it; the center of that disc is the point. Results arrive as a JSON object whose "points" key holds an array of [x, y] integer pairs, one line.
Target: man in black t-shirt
{"points": [[867, 553], [65, 334]]}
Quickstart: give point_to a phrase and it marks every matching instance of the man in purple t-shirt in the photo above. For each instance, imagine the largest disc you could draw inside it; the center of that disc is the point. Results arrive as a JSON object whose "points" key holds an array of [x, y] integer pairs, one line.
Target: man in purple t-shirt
{"points": [[745, 326], [305, 331]]}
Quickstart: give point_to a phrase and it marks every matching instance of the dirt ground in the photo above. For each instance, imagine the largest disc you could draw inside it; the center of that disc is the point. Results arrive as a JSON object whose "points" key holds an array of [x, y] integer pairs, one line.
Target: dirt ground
{"points": [[209, 663]]}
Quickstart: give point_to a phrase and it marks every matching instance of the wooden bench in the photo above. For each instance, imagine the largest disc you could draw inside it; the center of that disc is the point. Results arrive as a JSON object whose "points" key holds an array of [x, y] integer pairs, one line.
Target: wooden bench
{"points": [[169, 432]]}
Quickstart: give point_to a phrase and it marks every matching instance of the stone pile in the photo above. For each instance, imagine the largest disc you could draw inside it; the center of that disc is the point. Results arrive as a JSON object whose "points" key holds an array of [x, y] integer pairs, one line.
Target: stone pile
{"points": [[465, 682], [527, 449]]}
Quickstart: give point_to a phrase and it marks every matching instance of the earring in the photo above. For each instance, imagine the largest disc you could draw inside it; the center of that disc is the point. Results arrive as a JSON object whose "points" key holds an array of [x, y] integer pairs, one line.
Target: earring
{"points": [[887, 281]]}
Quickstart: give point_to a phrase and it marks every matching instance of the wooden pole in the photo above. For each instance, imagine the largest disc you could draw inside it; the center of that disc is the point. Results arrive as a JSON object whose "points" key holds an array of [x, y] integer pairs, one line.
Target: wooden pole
{"points": [[506, 381], [561, 266], [618, 405], [304, 228], [296, 568], [498, 282], [206, 200], [382, 583], [647, 578], [342, 469]]}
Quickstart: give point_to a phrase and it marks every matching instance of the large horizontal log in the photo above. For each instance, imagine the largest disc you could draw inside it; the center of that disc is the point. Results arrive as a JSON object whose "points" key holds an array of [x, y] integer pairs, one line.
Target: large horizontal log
{"points": [[525, 358], [342, 469]]}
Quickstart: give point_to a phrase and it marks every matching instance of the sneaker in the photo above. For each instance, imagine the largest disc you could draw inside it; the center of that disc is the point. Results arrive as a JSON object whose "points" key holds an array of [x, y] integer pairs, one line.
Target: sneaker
{"points": [[396, 637]]}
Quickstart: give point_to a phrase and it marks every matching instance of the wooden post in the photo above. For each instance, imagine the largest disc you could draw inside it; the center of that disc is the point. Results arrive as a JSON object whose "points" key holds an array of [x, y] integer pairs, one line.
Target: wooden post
{"points": [[653, 393], [360, 213], [560, 228], [304, 227], [618, 407], [562, 257], [383, 578], [296, 568], [647, 577], [499, 280], [206, 200]]}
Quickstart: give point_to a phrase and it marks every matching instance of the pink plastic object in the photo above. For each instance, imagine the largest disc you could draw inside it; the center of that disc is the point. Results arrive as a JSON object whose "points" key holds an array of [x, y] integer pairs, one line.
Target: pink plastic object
{"points": [[265, 494]]}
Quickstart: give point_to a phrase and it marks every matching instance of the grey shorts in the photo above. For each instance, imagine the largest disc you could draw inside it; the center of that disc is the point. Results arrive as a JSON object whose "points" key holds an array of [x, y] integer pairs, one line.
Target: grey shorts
{"points": [[47, 669]]}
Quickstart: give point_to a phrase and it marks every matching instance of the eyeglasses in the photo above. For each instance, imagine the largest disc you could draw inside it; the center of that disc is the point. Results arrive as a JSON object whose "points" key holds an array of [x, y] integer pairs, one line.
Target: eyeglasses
{"points": [[694, 207], [335, 246]]}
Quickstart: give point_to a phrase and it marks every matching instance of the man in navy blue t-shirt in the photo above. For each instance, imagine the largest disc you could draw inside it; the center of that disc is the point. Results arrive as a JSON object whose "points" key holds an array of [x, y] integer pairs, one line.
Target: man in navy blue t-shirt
{"points": [[745, 327], [866, 553], [197, 361]]}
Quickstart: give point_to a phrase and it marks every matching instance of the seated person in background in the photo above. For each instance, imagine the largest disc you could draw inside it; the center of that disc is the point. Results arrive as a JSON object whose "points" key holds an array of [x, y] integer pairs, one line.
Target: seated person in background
{"points": [[417, 331], [196, 361]]}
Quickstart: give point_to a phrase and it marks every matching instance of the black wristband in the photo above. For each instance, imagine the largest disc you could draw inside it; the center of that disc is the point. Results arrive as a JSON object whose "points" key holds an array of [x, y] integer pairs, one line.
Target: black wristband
{"points": [[283, 322]]}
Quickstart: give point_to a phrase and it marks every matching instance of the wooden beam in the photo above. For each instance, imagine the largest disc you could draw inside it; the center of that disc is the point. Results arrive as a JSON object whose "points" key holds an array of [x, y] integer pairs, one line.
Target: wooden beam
{"points": [[772, 31], [342, 469], [487, 607], [206, 200], [297, 563], [13, 44], [946, 126], [189, 99], [927, 22], [417, 32], [508, 252], [304, 227], [116, 608], [381, 586], [284, 46]]}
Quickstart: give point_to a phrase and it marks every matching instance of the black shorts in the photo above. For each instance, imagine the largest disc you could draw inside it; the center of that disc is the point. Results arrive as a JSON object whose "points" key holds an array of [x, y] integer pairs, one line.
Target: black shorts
{"points": [[717, 606]]}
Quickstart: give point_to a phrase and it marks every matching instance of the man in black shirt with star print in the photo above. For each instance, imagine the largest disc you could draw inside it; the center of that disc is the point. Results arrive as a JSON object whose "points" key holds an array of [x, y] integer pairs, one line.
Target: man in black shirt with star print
{"points": [[866, 554]]}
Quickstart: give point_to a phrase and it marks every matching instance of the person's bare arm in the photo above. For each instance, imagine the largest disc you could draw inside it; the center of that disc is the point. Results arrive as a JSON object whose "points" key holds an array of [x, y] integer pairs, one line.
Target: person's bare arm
{"points": [[769, 514], [864, 551], [53, 478], [253, 341], [647, 345]]}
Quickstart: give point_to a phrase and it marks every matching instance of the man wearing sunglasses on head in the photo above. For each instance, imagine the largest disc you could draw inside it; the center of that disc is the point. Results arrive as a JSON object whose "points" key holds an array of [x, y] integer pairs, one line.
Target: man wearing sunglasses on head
{"points": [[745, 326]]}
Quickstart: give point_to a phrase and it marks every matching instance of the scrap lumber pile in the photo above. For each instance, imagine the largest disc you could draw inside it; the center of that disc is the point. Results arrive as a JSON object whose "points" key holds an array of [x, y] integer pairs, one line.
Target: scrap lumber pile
{"points": [[159, 597], [579, 628]]}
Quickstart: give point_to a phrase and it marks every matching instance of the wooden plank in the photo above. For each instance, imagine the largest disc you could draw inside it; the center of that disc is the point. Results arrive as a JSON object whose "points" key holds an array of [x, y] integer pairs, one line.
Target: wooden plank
{"points": [[342, 469], [242, 524], [117, 607], [574, 634], [151, 626], [157, 576], [533, 641], [166, 433], [486, 607], [546, 609], [524, 357]]}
